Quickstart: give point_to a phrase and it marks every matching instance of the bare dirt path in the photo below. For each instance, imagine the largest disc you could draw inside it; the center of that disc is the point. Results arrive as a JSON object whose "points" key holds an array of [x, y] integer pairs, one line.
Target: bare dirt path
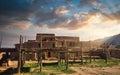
{"points": [[115, 70]]}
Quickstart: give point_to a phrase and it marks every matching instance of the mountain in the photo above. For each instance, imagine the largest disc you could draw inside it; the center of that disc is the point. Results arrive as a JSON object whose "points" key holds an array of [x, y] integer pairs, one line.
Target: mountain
{"points": [[114, 40]]}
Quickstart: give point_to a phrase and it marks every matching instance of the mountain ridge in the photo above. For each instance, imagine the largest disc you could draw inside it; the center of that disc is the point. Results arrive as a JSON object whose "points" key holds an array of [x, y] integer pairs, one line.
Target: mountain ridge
{"points": [[114, 40]]}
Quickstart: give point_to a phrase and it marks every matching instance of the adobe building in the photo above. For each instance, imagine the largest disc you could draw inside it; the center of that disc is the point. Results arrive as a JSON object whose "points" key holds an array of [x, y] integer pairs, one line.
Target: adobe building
{"points": [[89, 45], [50, 43]]}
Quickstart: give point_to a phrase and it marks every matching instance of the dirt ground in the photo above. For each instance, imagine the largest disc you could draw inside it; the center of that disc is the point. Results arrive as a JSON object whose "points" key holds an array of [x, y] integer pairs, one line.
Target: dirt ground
{"points": [[115, 70], [83, 70]]}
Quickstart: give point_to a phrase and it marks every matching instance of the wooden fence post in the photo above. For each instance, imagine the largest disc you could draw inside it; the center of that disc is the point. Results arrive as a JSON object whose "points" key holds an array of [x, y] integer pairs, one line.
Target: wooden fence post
{"points": [[1, 41], [19, 60], [58, 58], [106, 52], [105, 47], [90, 52], [40, 55], [66, 60], [81, 53], [93, 54], [41, 61]]}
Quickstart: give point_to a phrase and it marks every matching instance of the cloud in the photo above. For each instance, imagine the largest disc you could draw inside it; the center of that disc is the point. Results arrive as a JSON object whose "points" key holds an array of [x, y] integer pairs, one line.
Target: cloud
{"points": [[75, 22], [14, 11], [36, 12], [7, 36], [88, 3], [13, 22], [21, 14], [20, 25], [117, 6], [111, 16], [61, 10]]}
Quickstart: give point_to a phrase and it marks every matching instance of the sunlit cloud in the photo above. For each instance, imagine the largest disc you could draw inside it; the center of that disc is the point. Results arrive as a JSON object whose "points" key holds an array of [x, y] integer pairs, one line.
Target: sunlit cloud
{"points": [[61, 10], [20, 25], [111, 16]]}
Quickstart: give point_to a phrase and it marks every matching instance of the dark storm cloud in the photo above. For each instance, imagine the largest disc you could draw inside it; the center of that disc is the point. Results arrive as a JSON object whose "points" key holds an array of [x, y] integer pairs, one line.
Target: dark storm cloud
{"points": [[88, 3], [12, 11], [52, 13]]}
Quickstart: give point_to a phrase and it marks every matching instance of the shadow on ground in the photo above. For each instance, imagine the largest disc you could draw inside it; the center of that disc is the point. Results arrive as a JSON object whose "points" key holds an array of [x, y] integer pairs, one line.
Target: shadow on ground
{"points": [[11, 71]]}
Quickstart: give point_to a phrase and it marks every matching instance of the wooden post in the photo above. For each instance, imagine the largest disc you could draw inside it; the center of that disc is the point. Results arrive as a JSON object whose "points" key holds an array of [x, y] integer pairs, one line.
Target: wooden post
{"points": [[41, 55], [19, 60], [105, 46], [106, 52], [66, 60], [1, 42], [66, 55], [81, 53], [74, 58], [58, 58], [38, 57], [86, 57], [94, 55], [40, 61], [23, 58], [90, 52]]}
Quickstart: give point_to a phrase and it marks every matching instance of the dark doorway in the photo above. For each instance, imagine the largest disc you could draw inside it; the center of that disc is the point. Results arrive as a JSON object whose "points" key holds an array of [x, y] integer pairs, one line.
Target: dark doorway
{"points": [[49, 54]]}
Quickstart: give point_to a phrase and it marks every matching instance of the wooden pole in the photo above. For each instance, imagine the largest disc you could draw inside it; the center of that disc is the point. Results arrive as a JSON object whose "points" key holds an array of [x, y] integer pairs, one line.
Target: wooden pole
{"points": [[66, 55], [106, 52], [81, 53], [19, 60], [74, 57], [90, 51], [58, 58], [23, 58], [38, 56], [67, 60], [86, 57], [1, 41], [94, 54], [41, 55], [22, 52], [40, 61]]}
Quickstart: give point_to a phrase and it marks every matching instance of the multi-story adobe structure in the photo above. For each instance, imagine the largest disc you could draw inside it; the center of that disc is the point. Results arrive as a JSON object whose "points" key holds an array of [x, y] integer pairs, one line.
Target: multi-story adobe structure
{"points": [[51, 43]]}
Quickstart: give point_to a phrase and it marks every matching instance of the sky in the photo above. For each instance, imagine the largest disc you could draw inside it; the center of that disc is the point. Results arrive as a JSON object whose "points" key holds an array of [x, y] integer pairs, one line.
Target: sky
{"points": [[87, 19]]}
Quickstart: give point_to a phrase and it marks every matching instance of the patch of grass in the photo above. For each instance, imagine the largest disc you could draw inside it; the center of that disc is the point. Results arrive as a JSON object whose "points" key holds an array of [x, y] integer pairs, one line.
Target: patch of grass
{"points": [[69, 71], [50, 64], [102, 63], [25, 69], [38, 73], [60, 68], [52, 74], [32, 65]]}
